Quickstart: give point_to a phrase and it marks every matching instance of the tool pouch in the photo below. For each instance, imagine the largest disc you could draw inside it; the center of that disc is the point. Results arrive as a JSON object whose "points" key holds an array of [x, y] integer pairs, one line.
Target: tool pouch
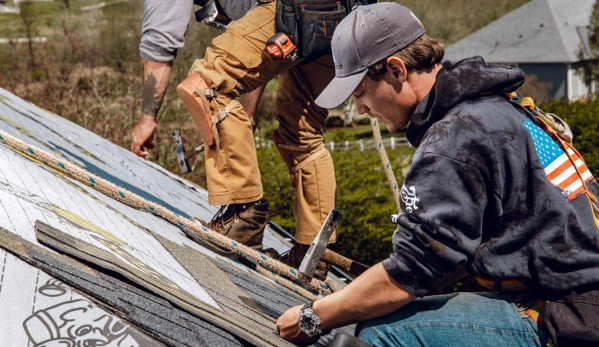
{"points": [[311, 23], [195, 94], [573, 320]]}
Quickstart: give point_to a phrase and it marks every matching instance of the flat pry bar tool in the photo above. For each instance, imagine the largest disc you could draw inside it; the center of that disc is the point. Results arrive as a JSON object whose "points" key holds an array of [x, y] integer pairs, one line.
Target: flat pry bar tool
{"points": [[183, 156]]}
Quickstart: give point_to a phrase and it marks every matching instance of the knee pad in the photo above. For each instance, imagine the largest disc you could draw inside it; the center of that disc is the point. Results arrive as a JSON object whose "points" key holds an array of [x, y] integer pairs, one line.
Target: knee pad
{"points": [[196, 95]]}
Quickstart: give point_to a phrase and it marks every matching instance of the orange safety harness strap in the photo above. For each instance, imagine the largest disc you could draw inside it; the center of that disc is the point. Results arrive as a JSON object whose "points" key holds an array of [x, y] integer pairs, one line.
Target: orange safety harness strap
{"points": [[533, 310]]}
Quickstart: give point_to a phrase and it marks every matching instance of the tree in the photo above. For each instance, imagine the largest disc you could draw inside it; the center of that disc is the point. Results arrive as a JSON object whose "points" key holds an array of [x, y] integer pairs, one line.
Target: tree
{"points": [[589, 56], [538, 90], [27, 17]]}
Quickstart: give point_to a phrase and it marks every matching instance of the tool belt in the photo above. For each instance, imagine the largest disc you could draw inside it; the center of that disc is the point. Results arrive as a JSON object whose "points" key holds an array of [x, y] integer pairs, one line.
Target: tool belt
{"points": [[528, 302], [573, 320], [311, 23]]}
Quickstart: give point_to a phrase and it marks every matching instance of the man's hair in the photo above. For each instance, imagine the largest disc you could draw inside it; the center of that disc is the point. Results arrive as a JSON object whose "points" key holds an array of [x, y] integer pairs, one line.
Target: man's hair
{"points": [[421, 55]]}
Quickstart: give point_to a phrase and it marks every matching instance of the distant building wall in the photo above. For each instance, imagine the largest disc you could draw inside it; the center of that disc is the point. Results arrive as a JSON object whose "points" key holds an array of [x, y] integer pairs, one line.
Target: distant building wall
{"points": [[578, 87], [556, 74]]}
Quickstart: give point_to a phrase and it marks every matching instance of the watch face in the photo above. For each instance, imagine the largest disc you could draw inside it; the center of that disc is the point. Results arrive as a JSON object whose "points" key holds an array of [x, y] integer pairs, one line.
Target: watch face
{"points": [[309, 322]]}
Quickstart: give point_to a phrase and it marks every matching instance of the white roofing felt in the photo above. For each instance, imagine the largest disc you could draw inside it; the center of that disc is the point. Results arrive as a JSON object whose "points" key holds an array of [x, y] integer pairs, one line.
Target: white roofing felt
{"points": [[34, 303], [541, 31], [41, 310], [30, 192]]}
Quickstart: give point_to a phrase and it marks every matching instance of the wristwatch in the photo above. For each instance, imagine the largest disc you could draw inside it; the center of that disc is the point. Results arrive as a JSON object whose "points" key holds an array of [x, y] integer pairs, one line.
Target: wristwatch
{"points": [[309, 321]]}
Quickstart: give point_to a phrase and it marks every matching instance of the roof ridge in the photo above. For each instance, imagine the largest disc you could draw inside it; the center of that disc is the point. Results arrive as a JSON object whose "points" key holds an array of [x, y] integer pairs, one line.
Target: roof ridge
{"points": [[559, 28], [526, 35]]}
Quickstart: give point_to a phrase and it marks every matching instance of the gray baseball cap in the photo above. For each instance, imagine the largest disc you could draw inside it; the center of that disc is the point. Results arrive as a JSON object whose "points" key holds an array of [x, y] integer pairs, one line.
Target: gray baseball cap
{"points": [[367, 35]]}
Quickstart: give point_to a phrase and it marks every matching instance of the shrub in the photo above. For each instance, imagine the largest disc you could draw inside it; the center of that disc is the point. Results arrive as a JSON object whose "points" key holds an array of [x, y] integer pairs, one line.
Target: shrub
{"points": [[335, 121], [583, 118], [363, 197]]}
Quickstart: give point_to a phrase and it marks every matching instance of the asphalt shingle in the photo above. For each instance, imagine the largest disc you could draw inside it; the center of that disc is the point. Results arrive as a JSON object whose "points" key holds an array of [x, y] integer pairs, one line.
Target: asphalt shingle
{"points": [[541, 31]]}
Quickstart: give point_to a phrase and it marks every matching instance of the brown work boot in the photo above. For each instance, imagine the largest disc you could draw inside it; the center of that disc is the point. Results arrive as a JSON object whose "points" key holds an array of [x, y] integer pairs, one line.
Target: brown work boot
{"points": [[296, 254], [243, 223]]}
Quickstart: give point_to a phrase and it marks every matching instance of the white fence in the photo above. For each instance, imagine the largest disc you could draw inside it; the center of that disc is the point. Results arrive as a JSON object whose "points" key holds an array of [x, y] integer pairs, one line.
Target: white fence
{"points": [[22, 40], [360, 145]]}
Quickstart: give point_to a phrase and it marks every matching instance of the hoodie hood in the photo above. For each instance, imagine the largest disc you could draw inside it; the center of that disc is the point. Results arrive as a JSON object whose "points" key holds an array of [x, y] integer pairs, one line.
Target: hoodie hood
{"points": [[465, 80]]}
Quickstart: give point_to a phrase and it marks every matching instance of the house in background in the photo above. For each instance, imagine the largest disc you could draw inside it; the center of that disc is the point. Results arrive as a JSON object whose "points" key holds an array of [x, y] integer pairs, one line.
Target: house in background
{"points": [[8, 6], [12, 6], [543, 38]]}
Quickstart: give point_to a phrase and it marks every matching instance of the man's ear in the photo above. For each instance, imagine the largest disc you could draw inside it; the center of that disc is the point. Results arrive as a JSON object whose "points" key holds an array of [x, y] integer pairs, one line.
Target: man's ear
{"points": [[397, 68]]}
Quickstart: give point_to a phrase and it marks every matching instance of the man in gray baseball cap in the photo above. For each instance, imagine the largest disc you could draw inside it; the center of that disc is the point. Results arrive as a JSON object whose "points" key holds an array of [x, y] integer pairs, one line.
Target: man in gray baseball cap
{"points": [[475, 200], [378, 32]]}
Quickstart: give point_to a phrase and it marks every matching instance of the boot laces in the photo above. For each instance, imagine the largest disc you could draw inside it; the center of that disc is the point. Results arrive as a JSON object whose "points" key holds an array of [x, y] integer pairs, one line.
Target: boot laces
{"points": [[224, 217]]}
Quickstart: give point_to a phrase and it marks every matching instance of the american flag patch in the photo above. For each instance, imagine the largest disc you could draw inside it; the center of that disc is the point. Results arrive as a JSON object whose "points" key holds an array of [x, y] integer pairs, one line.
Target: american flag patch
{"points": [[559, 165]]}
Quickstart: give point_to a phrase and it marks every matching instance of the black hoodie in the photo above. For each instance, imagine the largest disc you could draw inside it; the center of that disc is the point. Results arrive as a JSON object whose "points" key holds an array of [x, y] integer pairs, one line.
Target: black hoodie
{"points": [[477, 195]]}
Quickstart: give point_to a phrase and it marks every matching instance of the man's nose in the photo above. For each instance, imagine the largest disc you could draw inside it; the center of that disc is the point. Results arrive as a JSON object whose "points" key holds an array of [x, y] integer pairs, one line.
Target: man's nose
{"points": [[360, 107]]}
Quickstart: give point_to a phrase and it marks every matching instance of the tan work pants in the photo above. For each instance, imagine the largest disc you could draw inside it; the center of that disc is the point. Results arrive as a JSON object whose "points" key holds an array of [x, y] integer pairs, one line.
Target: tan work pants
{"points": [[237, 63]]}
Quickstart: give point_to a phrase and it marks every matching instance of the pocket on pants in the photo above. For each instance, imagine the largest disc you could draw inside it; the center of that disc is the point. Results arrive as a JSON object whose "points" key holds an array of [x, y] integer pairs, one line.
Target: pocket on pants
{"points": [[317, 31], [245, 39]]}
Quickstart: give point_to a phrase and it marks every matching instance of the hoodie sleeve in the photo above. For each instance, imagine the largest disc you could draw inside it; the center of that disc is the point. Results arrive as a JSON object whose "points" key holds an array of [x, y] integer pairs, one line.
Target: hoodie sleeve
{"points": [[163, 28], [443, 201]]}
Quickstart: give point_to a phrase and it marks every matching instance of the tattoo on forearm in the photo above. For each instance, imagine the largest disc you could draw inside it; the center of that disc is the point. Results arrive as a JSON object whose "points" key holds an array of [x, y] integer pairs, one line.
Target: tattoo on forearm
{"points": [[149, 96]]}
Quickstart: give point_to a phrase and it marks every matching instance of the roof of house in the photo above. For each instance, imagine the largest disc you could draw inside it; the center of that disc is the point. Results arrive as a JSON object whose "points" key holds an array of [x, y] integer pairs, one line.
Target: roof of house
{"points": [[79, 267], [541, 31]]}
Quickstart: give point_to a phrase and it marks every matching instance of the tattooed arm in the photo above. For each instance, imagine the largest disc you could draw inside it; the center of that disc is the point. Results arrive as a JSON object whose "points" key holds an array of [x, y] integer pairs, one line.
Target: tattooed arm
{"points": [[154, 82]]}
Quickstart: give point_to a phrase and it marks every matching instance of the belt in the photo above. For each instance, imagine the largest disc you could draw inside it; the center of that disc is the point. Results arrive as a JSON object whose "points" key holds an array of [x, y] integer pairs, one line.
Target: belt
{"points": [[528, 304]]}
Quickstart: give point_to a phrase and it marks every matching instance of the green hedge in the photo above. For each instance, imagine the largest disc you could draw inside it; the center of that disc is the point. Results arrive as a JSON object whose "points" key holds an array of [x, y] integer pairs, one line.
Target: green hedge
{"points": [[363, 197], [583, 118]]}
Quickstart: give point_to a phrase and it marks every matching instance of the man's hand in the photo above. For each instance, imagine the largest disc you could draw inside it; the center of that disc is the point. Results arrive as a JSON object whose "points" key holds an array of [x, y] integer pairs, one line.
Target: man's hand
{"points": [[154, 82], [288, 328], [142, 136], [355, 303]]}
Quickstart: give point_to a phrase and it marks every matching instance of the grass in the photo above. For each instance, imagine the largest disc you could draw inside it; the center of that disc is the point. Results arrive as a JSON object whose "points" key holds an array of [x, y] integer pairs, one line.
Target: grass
{"points": [[356, 132], [88, 72], [49, 17]]}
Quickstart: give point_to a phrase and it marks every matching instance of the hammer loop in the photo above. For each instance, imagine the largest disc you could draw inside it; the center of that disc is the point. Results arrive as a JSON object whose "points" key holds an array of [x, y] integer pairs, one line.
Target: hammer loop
{"points": [[218, 117], [297, 167]]}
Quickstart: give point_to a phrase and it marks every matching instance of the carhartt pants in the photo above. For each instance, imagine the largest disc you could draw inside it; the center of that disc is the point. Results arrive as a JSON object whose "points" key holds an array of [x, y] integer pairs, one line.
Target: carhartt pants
{"points": [[237, 63]]}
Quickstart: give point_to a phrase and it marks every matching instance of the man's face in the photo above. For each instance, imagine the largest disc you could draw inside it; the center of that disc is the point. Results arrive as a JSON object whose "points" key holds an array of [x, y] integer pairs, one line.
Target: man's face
{"points": [[390, 100]]}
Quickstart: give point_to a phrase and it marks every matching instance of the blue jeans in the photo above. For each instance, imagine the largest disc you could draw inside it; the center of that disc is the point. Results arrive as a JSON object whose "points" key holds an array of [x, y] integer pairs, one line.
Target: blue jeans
{"points": [[458, 319]]}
